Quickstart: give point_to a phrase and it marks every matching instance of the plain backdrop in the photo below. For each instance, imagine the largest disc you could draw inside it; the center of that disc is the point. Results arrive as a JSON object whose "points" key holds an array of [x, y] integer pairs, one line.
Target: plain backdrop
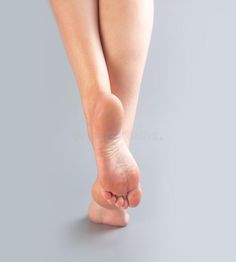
{"points": [[184, 141]]}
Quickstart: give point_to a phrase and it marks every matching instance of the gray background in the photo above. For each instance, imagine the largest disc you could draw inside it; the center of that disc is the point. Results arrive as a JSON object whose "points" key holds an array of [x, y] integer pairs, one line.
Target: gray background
{"points": [[184, 141]]}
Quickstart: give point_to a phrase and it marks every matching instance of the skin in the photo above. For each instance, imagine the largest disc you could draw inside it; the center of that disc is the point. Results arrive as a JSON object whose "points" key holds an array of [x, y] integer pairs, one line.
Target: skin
{"points": [[107, 44]]}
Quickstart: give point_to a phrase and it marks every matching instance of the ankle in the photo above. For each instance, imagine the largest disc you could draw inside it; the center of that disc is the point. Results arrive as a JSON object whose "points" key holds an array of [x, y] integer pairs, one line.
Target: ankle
{"points": [[90, 102]]}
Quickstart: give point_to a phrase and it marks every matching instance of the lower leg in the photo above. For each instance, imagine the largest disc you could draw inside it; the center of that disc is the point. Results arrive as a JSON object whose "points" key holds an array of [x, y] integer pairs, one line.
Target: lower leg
{"points": [[78, 24], [125, 29]]}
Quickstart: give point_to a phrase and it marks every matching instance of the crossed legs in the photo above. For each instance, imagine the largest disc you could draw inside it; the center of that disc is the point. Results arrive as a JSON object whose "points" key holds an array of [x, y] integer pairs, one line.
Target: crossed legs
{"points": [[107, 44]]}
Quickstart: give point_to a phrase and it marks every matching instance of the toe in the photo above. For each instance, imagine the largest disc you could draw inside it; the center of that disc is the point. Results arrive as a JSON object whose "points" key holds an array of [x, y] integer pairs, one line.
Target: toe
{"points": [[134, 197], [120, 202], [107, 195], [126, 204], [113, 200]]}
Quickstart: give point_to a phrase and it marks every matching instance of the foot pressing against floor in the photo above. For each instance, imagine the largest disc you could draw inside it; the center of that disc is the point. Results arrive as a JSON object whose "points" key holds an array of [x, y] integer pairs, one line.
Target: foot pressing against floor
{"points": [[101, 215]]}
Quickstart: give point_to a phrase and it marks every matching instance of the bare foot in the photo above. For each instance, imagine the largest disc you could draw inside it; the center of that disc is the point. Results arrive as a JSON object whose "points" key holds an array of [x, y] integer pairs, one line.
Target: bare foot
{"points": [[118, 174], [116, 217], [110, 203]]}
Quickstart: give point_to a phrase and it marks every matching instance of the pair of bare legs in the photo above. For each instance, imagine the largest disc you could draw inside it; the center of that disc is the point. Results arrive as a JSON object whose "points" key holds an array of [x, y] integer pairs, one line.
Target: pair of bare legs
{"points": [[107, 43]]}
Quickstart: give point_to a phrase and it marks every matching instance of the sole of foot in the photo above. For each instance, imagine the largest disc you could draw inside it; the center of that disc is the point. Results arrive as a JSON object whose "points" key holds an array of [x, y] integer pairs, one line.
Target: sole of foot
{"points": [[112, 217], [118, 173]]}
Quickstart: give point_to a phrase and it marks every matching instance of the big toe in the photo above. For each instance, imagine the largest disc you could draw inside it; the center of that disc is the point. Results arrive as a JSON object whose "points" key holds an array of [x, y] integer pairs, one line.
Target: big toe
{"points": [[134, 197]]}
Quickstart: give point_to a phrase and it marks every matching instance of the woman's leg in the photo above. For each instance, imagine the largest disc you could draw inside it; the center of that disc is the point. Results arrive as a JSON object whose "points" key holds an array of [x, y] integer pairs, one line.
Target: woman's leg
{"points": [[125, 28], [125, 31], [78, 23]]}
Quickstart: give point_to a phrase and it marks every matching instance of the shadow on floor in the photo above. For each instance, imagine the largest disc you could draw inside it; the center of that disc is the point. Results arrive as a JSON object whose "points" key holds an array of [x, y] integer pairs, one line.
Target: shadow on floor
{"points": [[82, 232]]}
